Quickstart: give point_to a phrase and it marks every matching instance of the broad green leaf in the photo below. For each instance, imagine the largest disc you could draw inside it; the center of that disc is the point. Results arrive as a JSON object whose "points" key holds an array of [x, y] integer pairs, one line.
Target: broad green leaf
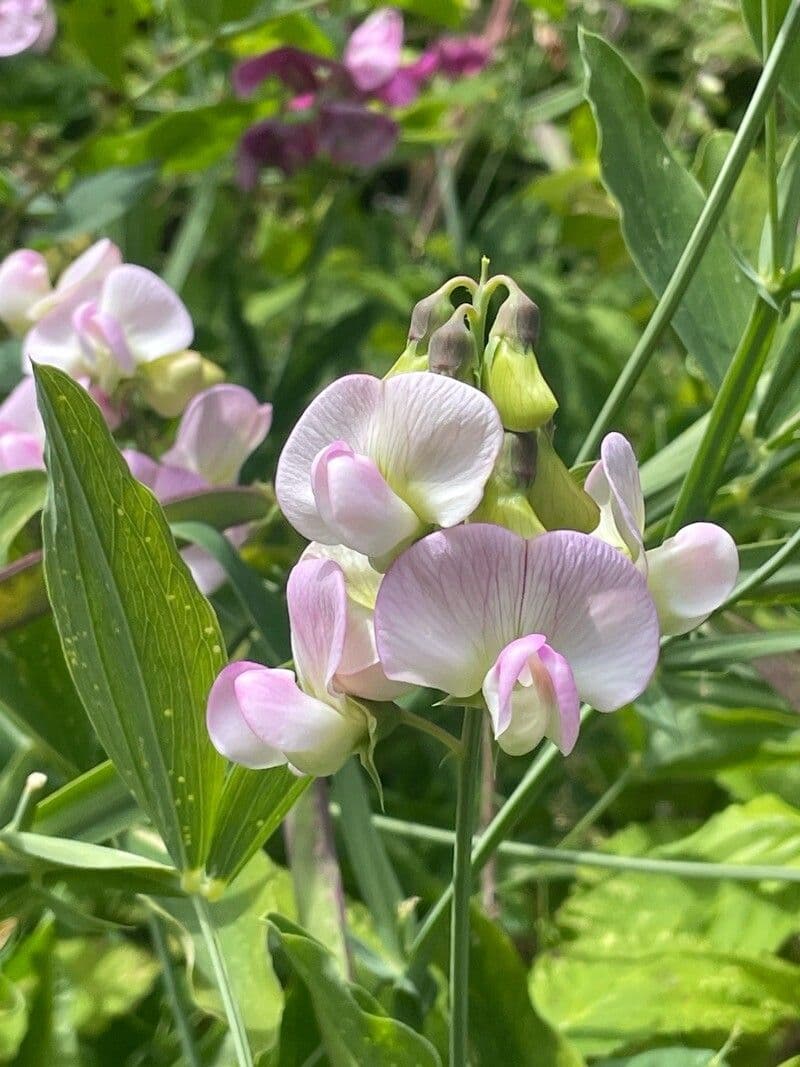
{"points": [[239, 918], [96, 864], [659, 204], [251, 809], [221, 508], [94, 202], [142, 644], [790, 79], [744, 216], [356, 1030], [21, 496], [102, 29]]}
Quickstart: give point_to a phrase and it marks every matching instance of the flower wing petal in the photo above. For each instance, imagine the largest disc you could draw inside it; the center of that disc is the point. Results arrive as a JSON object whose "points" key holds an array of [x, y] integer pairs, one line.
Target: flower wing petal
{"points": [[691, 574]]}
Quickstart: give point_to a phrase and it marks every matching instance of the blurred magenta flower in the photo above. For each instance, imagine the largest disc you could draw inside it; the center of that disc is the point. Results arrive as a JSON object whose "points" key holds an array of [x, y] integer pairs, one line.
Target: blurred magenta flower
{"points": [[372, 464], [690, 574], [265, 717], [535, 625], [330, 112], [220, 428], [26, 25]]}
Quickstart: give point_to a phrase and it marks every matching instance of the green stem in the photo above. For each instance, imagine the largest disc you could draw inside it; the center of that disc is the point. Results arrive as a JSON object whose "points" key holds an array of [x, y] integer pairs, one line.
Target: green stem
{"points": [[730, 404], [771, 150], [468, 775], [712, 211], [600, 806], [425, 726], [173, 993], [244, 1057], [765, 571], [569, 858], [487, 844], [190, 238]]}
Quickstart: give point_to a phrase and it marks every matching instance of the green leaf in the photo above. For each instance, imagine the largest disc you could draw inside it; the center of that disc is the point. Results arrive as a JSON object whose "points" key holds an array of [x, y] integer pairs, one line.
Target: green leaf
{"points": [[21, 496], [142, 644], [92, 807], [356, 1030], [788, 210], [94, 202], [102, 29], [790, 79], [238, 918], [22, 591], [220, 508], [95, 864], [106, 977], [13, 1019], [721, 651], [251, 809], [657, 224]]}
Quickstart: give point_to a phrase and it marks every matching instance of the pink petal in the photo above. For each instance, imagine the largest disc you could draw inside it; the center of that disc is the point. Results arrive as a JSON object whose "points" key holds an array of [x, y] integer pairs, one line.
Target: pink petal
{"points": [[53, 341], [460, 57], [439, 437], [453, 601], [317, 602], [372, 54], [302, 72], [227, 726], [286, 145], [531, 693], [404, 86], [24, 280], [152, 318], [20, 451], [19, 411], [22, 23], [103, 339], [615, 487], [691, 574], [313, 736], [89, 270], [342, 412], [352, 135], [448, 606], [208, 574], [167, 482], [595, 609], [357, 506], [219, 429]]}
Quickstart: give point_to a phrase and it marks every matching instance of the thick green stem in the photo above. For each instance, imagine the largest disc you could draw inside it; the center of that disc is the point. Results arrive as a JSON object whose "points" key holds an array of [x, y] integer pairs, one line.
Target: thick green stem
{"points": [[244, 1057], [712, 211], [729, 407], [468, 776], [425, 726]]}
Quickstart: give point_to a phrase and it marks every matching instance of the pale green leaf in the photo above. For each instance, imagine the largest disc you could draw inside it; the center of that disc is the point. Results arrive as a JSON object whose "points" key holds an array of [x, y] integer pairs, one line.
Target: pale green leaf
{"points": [[21, 496]]}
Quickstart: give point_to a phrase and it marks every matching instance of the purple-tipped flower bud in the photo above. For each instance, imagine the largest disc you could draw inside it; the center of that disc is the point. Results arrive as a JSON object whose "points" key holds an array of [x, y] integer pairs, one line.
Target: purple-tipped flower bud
{"points": [[505, 501], [450, 349], [511, 374]]}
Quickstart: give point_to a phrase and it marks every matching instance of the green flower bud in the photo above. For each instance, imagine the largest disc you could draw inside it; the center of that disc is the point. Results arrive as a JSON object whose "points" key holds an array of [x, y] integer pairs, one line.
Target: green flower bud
{"points": [[168, 384], [451, 350], [504, 500], [555, 496], [511, 376], [410, 359], [428, 315]]}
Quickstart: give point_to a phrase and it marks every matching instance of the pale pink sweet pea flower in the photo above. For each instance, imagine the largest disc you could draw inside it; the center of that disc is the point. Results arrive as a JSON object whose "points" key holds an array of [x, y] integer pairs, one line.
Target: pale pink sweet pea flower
{"points": [[24, 25], [24, 282], [690, 574], [371, 464], [535, 625], [372, 54], [220, 428], [266, 717], [106, 327]]}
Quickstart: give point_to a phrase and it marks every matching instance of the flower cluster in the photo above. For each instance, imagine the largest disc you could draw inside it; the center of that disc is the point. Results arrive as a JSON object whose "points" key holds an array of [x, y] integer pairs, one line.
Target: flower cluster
{"points": [[329, 113], [26, 25], [452, 549], [117, 327]]}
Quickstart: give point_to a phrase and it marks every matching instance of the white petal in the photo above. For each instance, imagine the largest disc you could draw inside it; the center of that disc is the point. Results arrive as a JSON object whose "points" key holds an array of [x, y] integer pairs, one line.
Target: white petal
{"points": [[152, 317], [614, 485], [227, 726], [448, 606], [595, 609], [317, 602], [691, 574]]}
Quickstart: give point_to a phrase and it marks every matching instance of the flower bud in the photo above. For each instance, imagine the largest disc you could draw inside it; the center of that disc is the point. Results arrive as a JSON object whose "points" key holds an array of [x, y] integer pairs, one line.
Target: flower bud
{"points": [[169, 383], [555, 496], [428, 314], [505, 502], [511, 374], [450, 350]]}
